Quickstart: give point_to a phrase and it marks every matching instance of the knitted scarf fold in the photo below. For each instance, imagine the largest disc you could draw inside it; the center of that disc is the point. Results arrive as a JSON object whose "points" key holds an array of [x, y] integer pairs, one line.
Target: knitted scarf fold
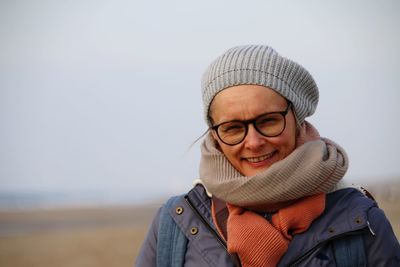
{"points": [[315, 166], [261, 243]]}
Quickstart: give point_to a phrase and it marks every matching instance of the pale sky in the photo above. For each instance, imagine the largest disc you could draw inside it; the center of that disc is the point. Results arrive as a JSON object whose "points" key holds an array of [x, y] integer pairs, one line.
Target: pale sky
{"points": [[104, 96]]}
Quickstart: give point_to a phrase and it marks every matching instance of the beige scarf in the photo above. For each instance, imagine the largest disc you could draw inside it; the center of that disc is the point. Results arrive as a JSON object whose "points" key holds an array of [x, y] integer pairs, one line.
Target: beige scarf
{"points": [[315, 166]]}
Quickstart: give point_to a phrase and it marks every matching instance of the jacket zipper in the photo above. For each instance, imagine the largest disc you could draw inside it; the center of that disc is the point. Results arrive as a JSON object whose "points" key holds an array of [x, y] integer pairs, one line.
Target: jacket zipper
{"points": [[305, 255], [212, 230]]}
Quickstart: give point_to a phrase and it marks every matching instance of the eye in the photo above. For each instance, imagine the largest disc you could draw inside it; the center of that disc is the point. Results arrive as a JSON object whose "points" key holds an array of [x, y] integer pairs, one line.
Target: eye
{"points": [[269, 120], [231, 127]]}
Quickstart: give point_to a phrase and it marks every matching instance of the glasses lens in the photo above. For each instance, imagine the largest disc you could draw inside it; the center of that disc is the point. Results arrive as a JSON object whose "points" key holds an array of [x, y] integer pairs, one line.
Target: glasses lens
{"points": [[232, 132], [271, 124]]}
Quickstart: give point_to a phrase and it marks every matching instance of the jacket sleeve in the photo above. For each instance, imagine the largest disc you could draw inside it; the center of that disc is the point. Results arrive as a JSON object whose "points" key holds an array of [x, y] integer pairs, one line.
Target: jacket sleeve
{"points": [[148, 252], [382, 246]]}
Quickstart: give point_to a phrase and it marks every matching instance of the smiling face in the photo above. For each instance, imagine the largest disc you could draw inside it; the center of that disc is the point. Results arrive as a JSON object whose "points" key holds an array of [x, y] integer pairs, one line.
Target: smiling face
{"points": [[256, 152]]}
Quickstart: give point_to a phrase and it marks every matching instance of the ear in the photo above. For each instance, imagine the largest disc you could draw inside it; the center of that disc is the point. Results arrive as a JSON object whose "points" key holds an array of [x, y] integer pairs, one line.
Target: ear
{"points": [[214, 135], [298, 130], [216, 139]]}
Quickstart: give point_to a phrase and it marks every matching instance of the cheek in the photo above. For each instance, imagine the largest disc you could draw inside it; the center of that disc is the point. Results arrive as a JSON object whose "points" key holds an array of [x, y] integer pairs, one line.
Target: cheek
{"points": [[228, 151], [291, 145], [285, 143], [232, 153], [288, 141]]}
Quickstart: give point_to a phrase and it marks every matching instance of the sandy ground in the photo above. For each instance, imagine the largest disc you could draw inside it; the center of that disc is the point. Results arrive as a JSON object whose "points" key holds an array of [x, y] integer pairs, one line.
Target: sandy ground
{"points": [[107, 236], [75, 237]]}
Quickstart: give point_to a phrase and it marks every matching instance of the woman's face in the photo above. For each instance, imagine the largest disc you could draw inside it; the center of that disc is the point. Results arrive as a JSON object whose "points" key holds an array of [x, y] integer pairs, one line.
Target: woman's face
{"points": [[256, 152]]}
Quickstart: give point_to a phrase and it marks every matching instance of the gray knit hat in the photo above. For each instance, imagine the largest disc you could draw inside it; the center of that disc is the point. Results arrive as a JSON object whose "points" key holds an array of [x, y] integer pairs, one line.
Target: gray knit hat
{"points": [[261, 65]]}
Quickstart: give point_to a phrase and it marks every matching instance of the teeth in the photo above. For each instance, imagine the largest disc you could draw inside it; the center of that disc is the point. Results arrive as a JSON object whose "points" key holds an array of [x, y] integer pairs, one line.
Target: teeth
{"points": [[258, 159]]}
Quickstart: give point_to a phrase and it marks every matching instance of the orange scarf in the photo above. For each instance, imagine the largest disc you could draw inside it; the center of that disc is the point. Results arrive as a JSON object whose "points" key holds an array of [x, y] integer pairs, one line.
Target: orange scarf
{"points": [[261, 243]]}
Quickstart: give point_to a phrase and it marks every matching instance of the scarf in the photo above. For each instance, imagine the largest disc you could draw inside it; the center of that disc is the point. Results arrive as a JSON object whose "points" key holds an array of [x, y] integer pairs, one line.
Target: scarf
{"points": [[294, 188], [315, 166], [259, 242]]}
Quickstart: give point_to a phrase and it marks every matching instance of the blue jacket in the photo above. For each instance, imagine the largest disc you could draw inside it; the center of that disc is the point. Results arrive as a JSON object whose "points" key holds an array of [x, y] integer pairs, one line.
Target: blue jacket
{"points": [[348, 212]]}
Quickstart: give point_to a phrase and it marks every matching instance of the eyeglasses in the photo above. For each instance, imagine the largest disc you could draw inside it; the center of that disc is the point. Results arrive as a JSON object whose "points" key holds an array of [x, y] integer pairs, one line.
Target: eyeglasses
{"points": [[269, 124]]}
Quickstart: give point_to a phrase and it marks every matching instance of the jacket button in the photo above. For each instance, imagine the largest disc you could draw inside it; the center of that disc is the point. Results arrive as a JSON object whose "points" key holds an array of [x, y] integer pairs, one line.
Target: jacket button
{"points": [[358, 221], [179, 210], [331, 230], [194, 230]]}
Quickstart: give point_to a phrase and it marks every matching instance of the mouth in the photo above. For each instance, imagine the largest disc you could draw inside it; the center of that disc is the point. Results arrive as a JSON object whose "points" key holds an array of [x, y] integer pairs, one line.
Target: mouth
{"points": [[261, 158]]}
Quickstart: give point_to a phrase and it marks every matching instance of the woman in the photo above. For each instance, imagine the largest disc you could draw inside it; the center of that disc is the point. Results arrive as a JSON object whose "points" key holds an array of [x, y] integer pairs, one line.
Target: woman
{"points": [[270, 190]]}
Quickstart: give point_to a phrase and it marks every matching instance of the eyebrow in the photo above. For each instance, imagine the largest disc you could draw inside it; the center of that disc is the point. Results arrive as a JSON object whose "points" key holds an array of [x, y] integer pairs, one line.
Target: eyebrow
{"points": [[253, 118]]}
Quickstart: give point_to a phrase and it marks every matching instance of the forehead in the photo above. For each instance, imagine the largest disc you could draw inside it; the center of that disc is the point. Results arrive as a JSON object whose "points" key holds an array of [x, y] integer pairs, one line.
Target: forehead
{"points": [[245, 102]]}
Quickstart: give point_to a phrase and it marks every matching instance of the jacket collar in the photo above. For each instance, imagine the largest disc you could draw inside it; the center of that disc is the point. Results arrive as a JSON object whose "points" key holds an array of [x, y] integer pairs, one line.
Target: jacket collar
{"points": [[345, 213]]}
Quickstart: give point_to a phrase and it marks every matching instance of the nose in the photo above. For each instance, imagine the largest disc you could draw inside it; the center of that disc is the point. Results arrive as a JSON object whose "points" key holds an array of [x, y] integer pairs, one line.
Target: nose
{"points": [[254, 140]]}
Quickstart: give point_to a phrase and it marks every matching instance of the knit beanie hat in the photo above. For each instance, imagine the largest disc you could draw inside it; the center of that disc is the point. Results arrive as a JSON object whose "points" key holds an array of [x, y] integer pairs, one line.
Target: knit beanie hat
{"points": [[261, 65]]}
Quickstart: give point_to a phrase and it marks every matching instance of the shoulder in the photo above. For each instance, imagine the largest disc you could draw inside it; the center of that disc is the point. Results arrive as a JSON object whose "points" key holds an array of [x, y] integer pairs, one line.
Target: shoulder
{"points": [[162, 235], [182, 208], [355, 204], [349, 212], [182, 205], [191, 214], [349, 197], [182, 211], [346, 210], [381, 244], [148, 251]]}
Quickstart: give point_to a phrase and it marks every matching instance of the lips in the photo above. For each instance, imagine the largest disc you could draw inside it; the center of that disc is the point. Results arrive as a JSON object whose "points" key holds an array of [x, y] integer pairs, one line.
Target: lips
{"points": [[261, 158]]}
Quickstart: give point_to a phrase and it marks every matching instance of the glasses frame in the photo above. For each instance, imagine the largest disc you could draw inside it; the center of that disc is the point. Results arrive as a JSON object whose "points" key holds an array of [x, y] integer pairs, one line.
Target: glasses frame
{"points": [[253, 122]]}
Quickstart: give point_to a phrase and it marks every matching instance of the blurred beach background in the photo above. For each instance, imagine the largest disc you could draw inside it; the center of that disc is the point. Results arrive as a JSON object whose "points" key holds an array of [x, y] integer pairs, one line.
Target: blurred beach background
{"points": [[104, 236], [100, 103]]}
